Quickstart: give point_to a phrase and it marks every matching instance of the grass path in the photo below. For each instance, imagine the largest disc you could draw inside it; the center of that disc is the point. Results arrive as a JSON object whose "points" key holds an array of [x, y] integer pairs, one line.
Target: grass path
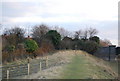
{"points": [[77, 69], [84, 67]]}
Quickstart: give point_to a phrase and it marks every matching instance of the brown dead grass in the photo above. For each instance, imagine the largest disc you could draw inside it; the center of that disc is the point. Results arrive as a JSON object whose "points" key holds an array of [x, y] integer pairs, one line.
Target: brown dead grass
{"points": [[65, 57]]}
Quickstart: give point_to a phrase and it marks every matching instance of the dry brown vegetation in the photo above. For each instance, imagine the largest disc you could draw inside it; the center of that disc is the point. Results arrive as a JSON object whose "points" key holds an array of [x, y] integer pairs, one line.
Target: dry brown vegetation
{"points": [[97, 68]]}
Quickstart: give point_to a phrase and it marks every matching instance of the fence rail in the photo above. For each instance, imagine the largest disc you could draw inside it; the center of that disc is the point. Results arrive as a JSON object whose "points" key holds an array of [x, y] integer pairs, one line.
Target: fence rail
{"points": [[12, 71]]}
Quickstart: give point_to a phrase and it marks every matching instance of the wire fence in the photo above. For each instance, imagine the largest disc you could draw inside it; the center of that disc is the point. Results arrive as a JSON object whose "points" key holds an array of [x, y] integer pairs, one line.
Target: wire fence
{"points": [[11, 71], [28, 67]]}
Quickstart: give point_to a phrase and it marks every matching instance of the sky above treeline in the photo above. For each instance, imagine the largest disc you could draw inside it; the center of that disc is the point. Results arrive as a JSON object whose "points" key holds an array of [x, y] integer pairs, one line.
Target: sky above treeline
{"points": [[72, 15]]}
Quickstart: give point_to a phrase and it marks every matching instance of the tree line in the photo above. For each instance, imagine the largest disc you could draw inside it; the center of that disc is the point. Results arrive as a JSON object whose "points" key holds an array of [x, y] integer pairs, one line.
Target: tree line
{"points": [[44, 39]]}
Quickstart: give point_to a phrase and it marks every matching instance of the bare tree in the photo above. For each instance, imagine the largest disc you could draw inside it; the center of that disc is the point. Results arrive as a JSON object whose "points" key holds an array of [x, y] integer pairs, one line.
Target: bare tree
{"points": [[78, 34], [39, 31], [85, 34], [62, 31], [92, 32], [14, 35], [15, 30]]}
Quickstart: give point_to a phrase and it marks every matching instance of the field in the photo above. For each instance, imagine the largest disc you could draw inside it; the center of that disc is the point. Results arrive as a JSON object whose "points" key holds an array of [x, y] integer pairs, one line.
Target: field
{"points": [[72, 65]]}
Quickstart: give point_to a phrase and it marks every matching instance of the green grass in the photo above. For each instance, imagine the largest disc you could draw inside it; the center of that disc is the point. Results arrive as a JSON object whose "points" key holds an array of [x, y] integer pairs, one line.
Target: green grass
{"points": [[78, 68], [86, 68]]}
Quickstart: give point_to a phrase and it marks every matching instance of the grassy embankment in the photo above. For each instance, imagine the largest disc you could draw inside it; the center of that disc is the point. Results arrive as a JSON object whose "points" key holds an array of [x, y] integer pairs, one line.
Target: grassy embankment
{"points": [[75, 65], [85, 66]]}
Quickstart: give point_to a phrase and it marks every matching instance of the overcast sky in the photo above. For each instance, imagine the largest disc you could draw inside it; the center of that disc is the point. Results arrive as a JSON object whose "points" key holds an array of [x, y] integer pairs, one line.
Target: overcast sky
{"points": [[70, 14]]}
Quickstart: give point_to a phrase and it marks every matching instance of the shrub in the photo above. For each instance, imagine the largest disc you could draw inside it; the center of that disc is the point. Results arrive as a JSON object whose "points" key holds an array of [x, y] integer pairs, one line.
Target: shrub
{"points": [[55, 37], [10, 48], [9, 54], [5, 57], [45, 48], [90, 47], [95, 39], [30, 45], [78, 44], [66, 43]]}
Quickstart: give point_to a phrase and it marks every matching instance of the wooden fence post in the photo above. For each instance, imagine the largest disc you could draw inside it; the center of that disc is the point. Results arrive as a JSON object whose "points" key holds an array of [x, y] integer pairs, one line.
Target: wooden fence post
{"points": [[28, 68], [8, 74], [46, 62], [40, 66]]}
